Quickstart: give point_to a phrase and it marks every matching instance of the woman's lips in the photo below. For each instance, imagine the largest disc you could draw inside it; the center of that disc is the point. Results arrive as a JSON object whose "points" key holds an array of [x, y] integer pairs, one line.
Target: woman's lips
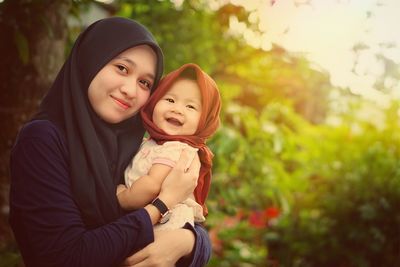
{"points": [[121, 103]]}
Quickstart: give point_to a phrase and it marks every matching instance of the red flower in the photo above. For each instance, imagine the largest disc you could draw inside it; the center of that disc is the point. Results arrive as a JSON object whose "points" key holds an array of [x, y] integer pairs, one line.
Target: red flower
{"points": [[271, 212], [257, 219]]}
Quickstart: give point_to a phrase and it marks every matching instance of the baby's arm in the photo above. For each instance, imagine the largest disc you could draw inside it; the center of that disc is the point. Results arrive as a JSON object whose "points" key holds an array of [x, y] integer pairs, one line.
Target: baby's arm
{"points": [[143, 190]]}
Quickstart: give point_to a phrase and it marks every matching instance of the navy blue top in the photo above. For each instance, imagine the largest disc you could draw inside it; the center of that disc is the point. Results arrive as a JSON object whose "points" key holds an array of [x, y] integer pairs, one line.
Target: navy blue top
{"points": [[47, 223]]}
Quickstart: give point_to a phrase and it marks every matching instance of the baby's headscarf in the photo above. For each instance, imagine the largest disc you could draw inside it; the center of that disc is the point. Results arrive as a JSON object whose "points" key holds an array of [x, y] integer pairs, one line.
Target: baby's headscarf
{"points": [[208, 123]]}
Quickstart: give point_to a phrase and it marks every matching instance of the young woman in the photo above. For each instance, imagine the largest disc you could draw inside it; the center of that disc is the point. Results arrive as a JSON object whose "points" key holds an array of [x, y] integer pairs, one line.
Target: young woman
{"points": [[67, 161]]}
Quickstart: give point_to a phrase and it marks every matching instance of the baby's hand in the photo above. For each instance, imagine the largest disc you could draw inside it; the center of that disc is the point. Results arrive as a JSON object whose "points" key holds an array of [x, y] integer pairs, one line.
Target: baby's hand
{"points": [[121, 188]]}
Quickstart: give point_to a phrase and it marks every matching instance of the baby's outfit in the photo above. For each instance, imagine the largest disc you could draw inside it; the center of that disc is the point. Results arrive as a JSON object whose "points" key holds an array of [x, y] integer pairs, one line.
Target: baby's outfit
{"points": [[168, 154]]}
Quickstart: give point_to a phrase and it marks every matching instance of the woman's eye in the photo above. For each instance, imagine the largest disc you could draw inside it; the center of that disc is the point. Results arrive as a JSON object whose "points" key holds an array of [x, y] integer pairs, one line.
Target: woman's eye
{"points": [[122, 68], [146, 84]]}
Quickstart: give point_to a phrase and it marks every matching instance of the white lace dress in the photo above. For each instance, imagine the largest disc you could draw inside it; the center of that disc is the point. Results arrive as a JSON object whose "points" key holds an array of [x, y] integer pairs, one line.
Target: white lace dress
{"points": [[168, 154]]}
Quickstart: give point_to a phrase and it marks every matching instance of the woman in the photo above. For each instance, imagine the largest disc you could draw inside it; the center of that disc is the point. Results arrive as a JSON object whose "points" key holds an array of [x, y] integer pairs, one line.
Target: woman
{"points": [[67, 161]]}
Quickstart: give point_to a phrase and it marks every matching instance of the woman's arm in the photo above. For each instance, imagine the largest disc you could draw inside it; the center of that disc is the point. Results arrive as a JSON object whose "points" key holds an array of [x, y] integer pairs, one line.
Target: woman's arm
{"points": [[45, 219], [189, 246], [143, 190]]}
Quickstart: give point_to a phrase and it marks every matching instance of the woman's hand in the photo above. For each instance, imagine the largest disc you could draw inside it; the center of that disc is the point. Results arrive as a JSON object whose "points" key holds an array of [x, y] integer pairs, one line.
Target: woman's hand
{"points": [[181, 181], [169, 246]]}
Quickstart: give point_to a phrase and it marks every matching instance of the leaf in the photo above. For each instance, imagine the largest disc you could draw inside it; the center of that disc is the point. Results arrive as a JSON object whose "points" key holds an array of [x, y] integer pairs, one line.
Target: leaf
{"points": [[22, 46]]}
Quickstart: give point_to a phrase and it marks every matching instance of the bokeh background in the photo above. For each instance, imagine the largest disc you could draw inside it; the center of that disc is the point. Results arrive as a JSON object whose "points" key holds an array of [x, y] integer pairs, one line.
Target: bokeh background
{"points": [[307, 160]]}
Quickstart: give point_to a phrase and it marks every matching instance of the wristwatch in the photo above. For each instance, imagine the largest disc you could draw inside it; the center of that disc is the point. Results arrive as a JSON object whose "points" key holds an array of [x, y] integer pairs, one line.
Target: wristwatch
{"points": [[165, 212]]}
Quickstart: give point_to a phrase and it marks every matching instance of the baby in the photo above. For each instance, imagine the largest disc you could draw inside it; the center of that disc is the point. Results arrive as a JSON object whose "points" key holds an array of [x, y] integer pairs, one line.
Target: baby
{"points": [[182, 114]]}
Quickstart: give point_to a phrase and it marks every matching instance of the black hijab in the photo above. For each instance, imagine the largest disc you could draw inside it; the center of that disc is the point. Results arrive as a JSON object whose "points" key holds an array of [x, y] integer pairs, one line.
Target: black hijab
{"points": [[98, 151]]}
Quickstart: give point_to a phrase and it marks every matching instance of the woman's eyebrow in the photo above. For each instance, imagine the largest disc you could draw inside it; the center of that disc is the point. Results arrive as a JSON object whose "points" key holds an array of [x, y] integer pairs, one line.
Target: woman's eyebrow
{"points": [[133, 64], [128, 60]]}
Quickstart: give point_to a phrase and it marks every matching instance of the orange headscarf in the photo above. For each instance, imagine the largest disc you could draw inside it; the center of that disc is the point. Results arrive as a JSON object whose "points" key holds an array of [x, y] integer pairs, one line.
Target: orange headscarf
{"points": [[208, 124]]}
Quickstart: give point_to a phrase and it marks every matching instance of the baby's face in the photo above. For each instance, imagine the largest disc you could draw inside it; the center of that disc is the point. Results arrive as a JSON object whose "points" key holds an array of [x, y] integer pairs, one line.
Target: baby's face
{"points": [[178, 111]]}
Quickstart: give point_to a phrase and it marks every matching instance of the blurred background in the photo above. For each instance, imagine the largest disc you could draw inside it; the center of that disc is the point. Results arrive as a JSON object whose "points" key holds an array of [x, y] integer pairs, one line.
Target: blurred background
{"points": [[307, 160]]}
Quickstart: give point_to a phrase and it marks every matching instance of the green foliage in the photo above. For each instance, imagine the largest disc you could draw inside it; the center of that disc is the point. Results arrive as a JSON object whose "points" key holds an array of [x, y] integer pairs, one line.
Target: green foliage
{"points": [[9, 259], [186, 34], [194, 33], [337, 188], [23, 47]]}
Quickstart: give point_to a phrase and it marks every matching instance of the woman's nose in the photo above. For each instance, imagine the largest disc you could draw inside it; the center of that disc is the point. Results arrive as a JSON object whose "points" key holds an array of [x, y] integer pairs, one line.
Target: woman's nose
{"points": [[129, 90]]}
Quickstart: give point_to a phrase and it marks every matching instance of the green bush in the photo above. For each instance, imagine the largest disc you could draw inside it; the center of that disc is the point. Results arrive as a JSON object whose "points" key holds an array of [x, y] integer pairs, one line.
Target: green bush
{"points": [[336, 188]]}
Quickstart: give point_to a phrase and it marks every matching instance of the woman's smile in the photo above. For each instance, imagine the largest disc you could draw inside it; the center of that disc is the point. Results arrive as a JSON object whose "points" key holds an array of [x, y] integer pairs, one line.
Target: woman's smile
{"points": [[121, 103]]}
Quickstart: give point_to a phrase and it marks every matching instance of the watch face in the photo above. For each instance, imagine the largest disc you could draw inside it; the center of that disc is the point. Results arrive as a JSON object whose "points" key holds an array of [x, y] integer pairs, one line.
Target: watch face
{"points": [[165, 217]]}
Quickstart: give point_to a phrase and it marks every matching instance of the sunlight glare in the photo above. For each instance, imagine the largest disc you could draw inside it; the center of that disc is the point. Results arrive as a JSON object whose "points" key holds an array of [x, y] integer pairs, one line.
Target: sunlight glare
{"points": [[326, 32]]}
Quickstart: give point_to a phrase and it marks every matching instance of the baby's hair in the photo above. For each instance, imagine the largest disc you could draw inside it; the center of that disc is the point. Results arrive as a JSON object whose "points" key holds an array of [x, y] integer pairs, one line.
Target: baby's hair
{"points": [[189, 73]]}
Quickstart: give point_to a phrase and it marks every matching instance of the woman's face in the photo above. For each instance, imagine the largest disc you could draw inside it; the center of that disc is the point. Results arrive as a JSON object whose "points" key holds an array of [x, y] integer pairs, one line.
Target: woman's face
{"points": [[122, 86]]}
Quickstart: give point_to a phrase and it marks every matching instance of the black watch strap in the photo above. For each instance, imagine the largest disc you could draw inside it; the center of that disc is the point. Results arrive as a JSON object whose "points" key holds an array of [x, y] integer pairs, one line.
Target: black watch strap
{"points": [[160, 205]]}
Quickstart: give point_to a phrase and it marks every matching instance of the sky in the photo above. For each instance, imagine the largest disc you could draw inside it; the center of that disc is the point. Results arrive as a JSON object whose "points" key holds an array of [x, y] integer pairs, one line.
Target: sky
{"points": [[326, 32]]}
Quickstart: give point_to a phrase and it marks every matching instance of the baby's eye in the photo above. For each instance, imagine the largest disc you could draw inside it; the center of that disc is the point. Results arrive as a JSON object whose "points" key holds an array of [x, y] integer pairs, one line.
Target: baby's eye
{"points": [[191, 107], [169, 100], [147, 84], [122, 68]]}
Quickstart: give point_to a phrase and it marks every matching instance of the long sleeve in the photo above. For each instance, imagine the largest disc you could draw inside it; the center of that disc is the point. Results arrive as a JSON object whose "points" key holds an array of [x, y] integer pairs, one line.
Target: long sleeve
{"points": [[44, 217], [202, 251]]}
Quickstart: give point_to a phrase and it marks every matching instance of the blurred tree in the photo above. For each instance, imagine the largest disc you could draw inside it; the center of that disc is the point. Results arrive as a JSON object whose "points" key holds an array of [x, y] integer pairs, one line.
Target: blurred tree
{"points": [[192, 32], [33, 37]]}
